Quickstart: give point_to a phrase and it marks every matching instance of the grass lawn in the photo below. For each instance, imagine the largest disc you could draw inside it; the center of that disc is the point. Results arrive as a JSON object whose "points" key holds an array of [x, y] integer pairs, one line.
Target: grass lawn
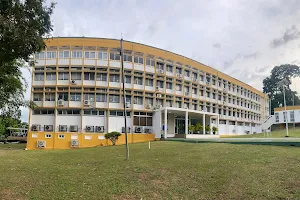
{"points": [[275, 134], [170, 170]]}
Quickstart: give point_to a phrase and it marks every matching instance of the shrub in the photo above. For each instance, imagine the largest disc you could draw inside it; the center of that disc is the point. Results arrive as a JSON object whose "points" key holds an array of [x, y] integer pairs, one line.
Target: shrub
{"points": [[192, 128], [207, 129], [215, 129], [198, 127], [113, 136]]}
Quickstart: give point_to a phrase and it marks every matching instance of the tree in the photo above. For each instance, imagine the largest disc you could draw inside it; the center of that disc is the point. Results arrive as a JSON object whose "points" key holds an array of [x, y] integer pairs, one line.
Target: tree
{"points": [[275, 93], [198, 127], [214, 129], [23, 24], [113, 136], [191, 128]]}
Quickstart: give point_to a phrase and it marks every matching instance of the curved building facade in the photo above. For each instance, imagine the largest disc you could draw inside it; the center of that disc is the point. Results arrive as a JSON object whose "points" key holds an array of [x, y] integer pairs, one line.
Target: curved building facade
{"points": [[77, 86]]}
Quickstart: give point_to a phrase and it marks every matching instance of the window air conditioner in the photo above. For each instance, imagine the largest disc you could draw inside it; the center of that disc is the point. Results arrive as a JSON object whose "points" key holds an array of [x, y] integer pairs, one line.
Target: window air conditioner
{"points": [[148, 130], [148, 106], [127, 105], [63, 128], [138, 129], [86, 103], [48, 127], [180, 75], [74, 143], [36, 127], [61, 102], [73, 128], [73, 82], [89, 128], [158, 95], [99, 129], [161, 71], [207, 83], [41, 144], [123, 129], [186, 94]]}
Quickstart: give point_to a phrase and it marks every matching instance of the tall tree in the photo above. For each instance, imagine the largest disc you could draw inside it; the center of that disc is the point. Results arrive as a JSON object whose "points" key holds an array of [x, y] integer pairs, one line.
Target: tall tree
{"points": [[270, 85], [23, 25]]}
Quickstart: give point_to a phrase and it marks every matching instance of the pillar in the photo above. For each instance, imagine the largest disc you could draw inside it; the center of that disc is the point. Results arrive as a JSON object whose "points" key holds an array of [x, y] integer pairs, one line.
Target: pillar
{"points": [[203, 123], [218, 118], [166, 123], [186, 122]]}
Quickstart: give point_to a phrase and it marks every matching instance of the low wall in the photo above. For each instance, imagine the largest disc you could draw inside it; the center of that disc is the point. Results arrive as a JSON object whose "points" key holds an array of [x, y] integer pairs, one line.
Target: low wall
{"points": [[85, 140]]}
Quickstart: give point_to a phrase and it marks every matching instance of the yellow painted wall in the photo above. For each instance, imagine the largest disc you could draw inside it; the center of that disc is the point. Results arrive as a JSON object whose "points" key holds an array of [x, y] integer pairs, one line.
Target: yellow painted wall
{"points": [[85, 140]]}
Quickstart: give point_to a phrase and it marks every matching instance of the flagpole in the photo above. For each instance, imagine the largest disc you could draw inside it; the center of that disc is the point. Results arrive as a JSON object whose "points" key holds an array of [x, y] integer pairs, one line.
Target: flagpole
{"points": [[124, 100]]}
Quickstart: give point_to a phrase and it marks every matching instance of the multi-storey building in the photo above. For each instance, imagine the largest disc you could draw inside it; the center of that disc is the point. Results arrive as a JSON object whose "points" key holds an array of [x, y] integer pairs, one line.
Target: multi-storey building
{"points": [[77, 86]]}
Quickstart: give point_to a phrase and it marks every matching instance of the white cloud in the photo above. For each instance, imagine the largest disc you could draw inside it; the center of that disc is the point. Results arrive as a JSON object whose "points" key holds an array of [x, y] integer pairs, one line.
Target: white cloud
{"points": [[241, 30]]}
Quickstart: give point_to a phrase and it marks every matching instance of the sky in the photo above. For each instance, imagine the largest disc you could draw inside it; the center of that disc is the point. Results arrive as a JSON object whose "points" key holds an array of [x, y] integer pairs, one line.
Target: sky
{"points": [[244, 39]]}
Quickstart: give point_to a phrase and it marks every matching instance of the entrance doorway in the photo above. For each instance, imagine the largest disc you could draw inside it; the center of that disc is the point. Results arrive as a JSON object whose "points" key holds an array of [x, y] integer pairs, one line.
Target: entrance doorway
{"points": [[179, 126]]}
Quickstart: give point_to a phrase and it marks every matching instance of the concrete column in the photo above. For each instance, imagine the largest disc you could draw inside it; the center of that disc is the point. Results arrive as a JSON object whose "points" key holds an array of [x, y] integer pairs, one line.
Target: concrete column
{"points": [[218, 118], [203, 123], [186, 122], [210, 126], [166, 123]]}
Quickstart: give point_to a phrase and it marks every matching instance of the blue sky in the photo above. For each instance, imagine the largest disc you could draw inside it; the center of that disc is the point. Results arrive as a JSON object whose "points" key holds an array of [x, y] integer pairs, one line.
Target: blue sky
{"points": [[244, 39]]}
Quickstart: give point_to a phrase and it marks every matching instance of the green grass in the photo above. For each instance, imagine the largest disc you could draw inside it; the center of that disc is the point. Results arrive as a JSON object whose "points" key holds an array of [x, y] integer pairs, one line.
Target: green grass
{"points": [[275, 134], [170, 170]]}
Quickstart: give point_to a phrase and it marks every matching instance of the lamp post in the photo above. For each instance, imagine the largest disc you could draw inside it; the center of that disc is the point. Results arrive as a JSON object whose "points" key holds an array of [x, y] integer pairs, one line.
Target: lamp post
{"points": [[124, 99], [283, 84]]}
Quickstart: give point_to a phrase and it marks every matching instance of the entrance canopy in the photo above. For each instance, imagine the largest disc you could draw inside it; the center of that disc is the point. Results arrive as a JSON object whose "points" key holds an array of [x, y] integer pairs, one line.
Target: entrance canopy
{"points": [[170, 121]]}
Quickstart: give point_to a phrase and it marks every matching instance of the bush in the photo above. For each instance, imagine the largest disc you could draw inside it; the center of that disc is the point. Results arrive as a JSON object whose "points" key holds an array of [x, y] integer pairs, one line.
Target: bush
{"points": [[215, 129], [198, 127], [192, 128], [207, 129], [113, 136]]}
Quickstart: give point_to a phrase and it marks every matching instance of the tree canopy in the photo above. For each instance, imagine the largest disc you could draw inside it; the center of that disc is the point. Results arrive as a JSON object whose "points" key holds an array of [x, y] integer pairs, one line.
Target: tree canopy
{"points": [[23, 26], [275, 92]]}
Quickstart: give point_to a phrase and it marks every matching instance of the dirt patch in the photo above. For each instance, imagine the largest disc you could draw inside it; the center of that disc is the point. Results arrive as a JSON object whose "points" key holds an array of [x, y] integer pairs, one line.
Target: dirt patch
{"points": [[7, 194]]}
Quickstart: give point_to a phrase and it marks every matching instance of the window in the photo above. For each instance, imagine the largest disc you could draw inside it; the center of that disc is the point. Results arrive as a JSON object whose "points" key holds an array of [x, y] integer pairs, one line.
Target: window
{"points": [[142, 119], [170, 68], [114, 98], [101, 77], [63, 96], [51, 54], [89, 96], [102, 55], [194, 90], [43, 112], [284, 116], [94, 112], [292, 116], [76, 54], [37, 96], [195, 76], [138, 80], [75, 96], [89, 76], [149, 62], [39, 76], [127, 58], [64, 54], [115, 56], [138, 100], [40, 55], [178, 87], [138, 60], [63, 76], [50, 97], [114, 78], [128, 79], [160, 66], [75, 75], [187, 73], [51, 76], [201, 77], [169, 86], [149, 82], [101, 98], [68, 112], [149, 101], [160, 84], [208, 94], [89, 54], [118, 113]]}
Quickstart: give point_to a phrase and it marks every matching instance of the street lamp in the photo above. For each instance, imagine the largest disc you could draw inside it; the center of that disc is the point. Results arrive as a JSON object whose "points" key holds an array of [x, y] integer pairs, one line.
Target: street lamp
{"points": [[283, 83]]}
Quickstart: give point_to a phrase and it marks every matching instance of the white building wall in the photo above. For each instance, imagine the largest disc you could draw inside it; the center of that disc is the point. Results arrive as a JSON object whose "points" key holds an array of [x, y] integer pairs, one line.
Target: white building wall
{"points": [[94, 121], [171, 125], [116, 124], [157, 124], [68, 120], [42, 120], [128, 65], [102, 62]]}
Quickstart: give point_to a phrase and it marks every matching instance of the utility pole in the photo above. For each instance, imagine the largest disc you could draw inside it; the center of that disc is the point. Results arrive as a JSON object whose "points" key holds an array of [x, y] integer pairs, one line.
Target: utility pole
{"points": [[294, 111], [124, 99], [283, 84]]}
